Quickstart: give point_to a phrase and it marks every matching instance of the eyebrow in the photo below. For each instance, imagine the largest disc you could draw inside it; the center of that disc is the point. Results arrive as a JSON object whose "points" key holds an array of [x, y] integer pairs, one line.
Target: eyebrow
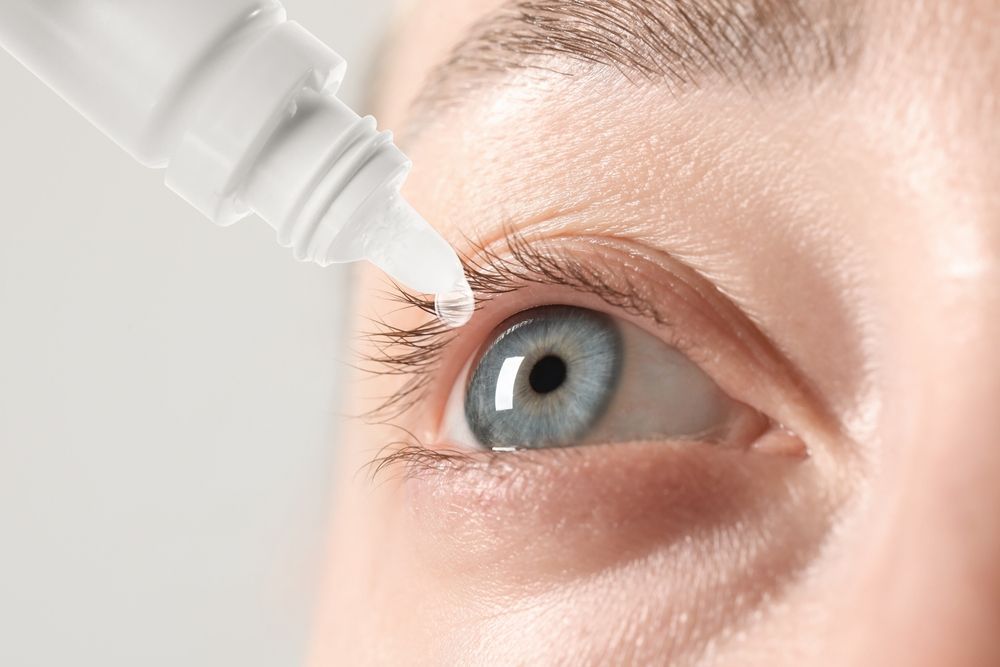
{"points": [[678, 43]]}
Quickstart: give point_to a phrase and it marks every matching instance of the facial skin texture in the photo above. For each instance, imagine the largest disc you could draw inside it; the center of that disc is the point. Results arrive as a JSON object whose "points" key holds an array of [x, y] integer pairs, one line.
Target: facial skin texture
{"points": [[840, 227]]}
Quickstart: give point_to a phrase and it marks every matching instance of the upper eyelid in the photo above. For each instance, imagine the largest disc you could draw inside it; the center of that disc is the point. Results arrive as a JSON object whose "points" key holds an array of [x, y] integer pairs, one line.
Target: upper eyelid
{"points": [[415, 353]]}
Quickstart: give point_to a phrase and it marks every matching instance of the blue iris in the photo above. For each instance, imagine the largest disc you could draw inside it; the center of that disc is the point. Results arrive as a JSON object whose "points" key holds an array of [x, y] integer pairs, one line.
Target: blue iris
{"points": [[546, 380]]}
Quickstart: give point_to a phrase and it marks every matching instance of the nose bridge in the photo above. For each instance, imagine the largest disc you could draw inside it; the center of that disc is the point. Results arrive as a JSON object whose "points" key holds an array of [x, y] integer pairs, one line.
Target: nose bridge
{"points": [[928, 579]]}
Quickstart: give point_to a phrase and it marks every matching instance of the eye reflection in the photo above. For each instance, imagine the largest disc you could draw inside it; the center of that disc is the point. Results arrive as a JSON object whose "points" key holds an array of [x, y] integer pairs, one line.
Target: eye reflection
{"points": [[561, 376]]}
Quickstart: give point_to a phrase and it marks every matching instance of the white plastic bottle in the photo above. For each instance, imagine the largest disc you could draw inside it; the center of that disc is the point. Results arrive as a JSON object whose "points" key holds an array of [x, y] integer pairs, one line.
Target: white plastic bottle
{"points": [[238, 105]]}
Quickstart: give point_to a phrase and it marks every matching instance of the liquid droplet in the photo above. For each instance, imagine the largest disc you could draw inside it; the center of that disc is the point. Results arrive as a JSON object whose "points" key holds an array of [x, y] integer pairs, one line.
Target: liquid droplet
{"points": [[456, 306]]}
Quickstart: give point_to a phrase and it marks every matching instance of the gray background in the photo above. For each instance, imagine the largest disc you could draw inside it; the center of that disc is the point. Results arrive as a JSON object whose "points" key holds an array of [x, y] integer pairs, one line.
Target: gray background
{"points": [[167, 400]]}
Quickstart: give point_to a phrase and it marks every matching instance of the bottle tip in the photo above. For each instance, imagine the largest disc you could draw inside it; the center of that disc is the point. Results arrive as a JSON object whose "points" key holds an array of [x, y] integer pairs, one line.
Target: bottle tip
{"points": [[455, 306]]}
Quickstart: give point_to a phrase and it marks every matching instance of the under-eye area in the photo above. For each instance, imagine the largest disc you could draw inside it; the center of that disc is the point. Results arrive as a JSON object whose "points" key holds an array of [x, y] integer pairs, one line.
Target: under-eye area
{"points": [[606, 408], [590, 419]]}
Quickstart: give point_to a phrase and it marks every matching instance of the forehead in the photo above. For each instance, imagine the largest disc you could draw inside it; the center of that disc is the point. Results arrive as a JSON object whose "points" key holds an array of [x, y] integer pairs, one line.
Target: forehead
{"points": [[926, 33], [426, 32]]}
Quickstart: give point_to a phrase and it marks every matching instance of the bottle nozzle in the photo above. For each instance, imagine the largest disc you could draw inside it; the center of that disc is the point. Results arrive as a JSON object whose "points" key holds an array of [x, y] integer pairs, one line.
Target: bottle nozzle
{"points": [[456, 306], [399, 241]]}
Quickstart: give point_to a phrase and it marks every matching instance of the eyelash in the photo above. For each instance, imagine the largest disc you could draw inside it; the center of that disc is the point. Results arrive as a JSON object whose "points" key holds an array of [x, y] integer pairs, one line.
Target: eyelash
{"points": [[410, 458], [414, 353]]}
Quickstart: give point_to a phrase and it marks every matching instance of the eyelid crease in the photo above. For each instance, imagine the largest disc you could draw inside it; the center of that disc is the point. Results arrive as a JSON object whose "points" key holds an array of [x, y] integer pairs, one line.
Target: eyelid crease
{"points": [[414, 352]]}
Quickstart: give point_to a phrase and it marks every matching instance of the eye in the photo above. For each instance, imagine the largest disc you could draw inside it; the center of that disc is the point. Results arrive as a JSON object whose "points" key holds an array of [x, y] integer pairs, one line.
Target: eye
{"points": [[560, 376]]}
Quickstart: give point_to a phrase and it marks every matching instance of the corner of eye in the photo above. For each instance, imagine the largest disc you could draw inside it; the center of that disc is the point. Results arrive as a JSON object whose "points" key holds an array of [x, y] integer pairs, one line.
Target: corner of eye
{"points": [[781, 442]]}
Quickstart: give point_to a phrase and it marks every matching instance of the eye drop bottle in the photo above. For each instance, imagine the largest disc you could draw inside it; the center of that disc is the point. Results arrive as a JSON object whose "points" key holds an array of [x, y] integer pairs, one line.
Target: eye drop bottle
{"points": [[239, 106]]}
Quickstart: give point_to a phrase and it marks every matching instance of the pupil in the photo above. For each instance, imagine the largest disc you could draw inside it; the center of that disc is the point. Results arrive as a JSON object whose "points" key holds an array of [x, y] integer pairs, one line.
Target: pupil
{"points": [[547, 375]]}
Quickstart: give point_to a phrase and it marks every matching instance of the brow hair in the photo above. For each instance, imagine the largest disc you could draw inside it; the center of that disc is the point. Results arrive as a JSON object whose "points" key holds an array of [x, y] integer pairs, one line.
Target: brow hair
{"points": [[679, 43]]}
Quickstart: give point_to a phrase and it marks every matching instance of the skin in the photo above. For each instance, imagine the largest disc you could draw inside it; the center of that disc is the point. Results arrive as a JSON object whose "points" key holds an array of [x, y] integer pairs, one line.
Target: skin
{"points": [[852, 230]]}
